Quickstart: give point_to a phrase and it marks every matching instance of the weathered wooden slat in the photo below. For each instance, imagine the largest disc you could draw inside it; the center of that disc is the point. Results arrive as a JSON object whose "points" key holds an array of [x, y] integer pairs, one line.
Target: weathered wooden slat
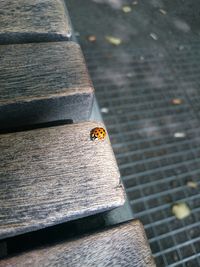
{"points": [[23, 21], [55, 174], [124, 245], [43, 82]]}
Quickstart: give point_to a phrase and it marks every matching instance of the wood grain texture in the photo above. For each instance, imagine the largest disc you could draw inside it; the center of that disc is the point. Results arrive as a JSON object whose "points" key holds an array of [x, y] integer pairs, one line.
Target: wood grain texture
{"points": [[56, 174], [124, 246], [43, 82], [23, 21]]}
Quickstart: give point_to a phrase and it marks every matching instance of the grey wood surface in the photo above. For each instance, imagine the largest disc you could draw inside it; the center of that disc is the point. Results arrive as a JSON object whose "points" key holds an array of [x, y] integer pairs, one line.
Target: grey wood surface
{"points": [[124, 245], [43, 82], [53, 175], [23, 21]]}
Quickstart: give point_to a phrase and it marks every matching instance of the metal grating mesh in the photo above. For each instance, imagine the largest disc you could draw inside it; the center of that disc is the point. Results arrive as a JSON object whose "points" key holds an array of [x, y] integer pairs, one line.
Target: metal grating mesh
{"points": [[137, 87]]}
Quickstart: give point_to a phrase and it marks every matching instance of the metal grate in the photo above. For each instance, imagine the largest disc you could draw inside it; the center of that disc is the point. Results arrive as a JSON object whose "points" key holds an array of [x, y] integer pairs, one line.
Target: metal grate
{"points": [[137, 88]]}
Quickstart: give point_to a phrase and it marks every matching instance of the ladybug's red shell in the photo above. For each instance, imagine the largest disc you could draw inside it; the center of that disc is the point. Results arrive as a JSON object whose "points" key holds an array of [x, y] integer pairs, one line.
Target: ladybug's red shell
{"points": [[98, 133]]}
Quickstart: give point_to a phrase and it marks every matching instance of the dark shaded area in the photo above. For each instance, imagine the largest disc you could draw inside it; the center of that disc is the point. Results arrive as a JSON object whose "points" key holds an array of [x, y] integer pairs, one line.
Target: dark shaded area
{"points": [[156, 142], [24, 38], [52, 235], [35, 126]]}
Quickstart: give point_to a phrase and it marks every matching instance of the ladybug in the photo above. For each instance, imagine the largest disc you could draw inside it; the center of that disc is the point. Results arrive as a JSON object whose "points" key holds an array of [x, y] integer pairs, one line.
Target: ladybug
{"points": [[98, 133]]}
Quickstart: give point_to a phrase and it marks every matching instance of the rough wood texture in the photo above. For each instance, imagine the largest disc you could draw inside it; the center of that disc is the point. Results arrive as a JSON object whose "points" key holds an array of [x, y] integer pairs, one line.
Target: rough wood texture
{"points": [[43, 82], [124, 246], [23, 21], [56, 174]]}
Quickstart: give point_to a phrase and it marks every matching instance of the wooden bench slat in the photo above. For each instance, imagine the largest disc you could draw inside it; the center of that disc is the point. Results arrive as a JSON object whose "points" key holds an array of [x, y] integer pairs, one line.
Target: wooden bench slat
{"points": [[53, 175], [123, 245], [23, 21], [43, 82]]}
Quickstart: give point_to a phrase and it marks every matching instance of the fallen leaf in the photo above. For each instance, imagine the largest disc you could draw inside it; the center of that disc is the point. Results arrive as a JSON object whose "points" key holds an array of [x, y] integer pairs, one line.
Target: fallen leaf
{"points": [[162, 11], [179, 135], [154, 36], [192, 184], [181, 210], [177, 101], [104, 110], [92, 38], [113, 40], [126, 9]]}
